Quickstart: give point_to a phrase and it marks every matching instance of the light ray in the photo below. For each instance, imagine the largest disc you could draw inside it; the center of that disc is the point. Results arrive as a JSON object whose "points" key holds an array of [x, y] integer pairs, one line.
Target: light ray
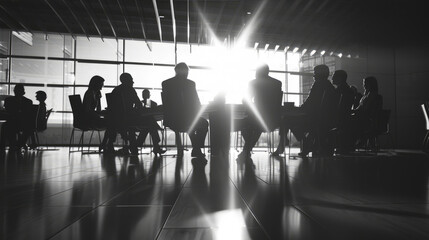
{"points": [[197, 117]]}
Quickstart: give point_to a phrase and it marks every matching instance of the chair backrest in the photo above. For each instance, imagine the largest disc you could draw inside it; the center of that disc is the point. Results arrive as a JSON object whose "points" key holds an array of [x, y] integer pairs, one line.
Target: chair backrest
{"points": [[270, 110], [115, 110], [425, 114], [174, 117], [79, 120]]}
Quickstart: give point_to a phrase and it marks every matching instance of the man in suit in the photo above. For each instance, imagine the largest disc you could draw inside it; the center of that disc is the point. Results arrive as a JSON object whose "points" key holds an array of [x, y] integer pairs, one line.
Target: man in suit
{"points": [[182, 95], [346, 98], [130, 109], [315, 116], [20, 120], [264, 101]]}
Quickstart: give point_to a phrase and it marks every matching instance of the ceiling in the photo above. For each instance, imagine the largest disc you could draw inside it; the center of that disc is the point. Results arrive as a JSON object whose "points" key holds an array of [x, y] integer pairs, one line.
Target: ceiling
{"points": [[331, 25]]}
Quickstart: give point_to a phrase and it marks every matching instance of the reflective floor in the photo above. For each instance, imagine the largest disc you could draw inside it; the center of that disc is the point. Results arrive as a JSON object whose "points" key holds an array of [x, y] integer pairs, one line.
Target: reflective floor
{"points": [[57, 195]]}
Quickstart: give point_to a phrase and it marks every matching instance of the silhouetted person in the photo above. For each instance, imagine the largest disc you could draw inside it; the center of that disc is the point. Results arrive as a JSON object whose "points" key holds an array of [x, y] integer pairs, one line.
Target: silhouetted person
{"points": [[20, 120], [93, 114], [370, 105], [264, 109], [357, 96], [152, 126], [346, 98], [186, 103], [130, 108], [314, 117], [41, 121]]}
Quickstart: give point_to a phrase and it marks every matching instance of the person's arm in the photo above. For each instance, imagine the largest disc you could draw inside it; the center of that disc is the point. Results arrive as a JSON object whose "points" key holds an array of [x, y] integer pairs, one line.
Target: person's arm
{"points": [[314, 96]]}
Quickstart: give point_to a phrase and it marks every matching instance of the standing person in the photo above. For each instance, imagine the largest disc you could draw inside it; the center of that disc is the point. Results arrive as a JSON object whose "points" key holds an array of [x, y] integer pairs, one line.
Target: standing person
{"points": [[346, 99], [182, 90], [20, 119], [41, 122], [92, 110], [312, 119], [152, 126], [264, 108]]}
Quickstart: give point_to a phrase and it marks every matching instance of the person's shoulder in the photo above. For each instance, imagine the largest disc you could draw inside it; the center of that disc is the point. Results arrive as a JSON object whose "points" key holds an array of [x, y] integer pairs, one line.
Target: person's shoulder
{"points": [[276, 81], [167, 81], [190, 82], [27, 100]]}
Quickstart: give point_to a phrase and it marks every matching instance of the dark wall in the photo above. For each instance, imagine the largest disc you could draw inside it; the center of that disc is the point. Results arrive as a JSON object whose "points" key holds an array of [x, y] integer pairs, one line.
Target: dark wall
{"points": [[403, 78]]}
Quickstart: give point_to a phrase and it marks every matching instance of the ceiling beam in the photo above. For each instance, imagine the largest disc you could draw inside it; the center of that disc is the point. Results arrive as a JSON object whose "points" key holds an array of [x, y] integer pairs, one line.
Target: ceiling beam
{"points": [[6, 23], [139, 11], [108, 19], [61, 19], [158, 20], [92, 19], [188, 30], [15, 17], [173, 17], [75, 17], [125, 17]]}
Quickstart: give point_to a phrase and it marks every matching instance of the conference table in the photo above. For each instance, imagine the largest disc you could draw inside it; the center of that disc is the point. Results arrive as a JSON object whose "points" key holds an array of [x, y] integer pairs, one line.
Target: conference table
{"points": [[223, 120]]}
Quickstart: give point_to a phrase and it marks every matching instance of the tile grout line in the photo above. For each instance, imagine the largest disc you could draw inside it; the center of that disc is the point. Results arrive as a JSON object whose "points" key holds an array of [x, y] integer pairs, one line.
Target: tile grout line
{"points": [[101, 204], [250, 210], [174, 204]]}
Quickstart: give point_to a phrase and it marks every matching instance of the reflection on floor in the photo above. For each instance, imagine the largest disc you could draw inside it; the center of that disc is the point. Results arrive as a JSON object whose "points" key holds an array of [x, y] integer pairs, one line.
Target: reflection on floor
{"points": [[54, 194]]}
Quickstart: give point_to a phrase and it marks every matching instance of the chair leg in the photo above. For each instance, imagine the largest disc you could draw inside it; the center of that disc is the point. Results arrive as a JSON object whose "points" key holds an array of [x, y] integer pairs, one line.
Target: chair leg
{"points": [[80, 146], [71, 137], [425, 141], [90, 139]]}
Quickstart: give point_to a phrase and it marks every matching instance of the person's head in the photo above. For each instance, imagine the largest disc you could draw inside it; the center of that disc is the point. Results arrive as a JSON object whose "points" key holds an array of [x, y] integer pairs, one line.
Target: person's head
{"points": [[321, 72], [182, 70], [339, 77], [126, 79], [41, 96], [19, 90], [96, 83], [146, 94], [370, 84], [262, 71]]}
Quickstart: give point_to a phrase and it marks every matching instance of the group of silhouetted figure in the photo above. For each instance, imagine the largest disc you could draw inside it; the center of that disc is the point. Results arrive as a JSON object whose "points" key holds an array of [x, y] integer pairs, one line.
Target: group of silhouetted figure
{"points": [[328, 110], [23, 119]]}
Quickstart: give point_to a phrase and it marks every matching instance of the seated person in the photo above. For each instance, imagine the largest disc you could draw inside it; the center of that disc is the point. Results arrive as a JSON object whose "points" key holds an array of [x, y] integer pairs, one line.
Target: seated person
{"points": [[41, 122], [313, 118], [346, 97], [20, 121], [131, 120], [185, 104], [264, 108], [92, 110], [357, 96], [365, 116], [152, 125]]}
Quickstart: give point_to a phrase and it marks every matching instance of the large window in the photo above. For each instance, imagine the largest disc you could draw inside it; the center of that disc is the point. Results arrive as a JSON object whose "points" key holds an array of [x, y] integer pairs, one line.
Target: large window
{"points": [[61, 66]]}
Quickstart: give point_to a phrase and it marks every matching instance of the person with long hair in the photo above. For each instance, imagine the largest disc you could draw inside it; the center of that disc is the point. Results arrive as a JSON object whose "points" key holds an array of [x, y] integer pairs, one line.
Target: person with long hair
{"points": [[92, 111], [370, 105]]}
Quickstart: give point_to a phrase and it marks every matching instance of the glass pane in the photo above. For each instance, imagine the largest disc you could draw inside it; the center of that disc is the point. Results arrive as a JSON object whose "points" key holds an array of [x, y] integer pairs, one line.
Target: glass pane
{"points": [[85, 71], [138, 51], [37, 71], [149, 76], [96, 49]]}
